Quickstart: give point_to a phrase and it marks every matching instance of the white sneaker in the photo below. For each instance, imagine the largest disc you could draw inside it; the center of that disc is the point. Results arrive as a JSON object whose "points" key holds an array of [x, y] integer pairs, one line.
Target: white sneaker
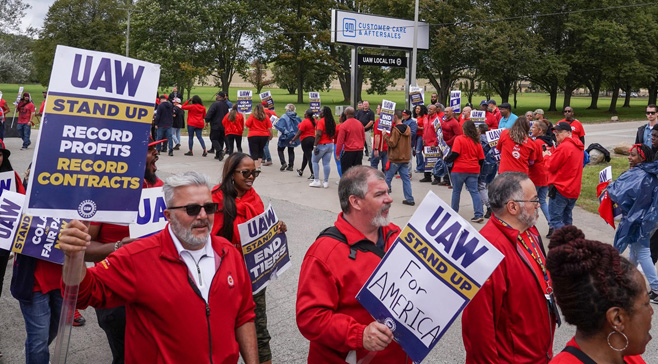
{"points": [[325, 184], [337, 182], [315, 183]]}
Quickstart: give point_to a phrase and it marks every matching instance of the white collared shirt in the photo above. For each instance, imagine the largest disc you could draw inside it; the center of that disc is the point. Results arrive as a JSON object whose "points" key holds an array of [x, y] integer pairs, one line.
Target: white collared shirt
{"points": [[200, 263]]}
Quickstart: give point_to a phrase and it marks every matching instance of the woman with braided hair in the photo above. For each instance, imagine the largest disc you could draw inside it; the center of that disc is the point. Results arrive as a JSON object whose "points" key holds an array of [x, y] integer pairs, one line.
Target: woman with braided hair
{"points": [[603, 295]]}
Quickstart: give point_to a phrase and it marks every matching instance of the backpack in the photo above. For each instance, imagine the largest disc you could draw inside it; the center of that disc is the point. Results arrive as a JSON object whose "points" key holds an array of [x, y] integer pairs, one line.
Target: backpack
{"points": [[364, 245]]}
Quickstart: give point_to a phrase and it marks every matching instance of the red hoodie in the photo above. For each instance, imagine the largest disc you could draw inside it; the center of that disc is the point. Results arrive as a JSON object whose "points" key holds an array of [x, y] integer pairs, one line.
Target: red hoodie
{"points": [[566, 167], [195, 114]]}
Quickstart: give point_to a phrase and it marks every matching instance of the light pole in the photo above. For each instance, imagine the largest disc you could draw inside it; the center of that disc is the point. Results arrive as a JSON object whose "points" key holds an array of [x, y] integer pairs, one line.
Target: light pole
{"points": [[415, 50]]}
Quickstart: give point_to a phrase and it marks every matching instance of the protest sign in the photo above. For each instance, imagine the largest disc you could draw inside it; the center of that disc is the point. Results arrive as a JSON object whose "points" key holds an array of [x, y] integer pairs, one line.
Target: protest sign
{"points": [[11, 204], [7, 181], [416, 95], [89, 161], [386, 116], [244, 101], [151, 218], [267, 97], [478, 116], [265, 250], [430, 156], [38, 237], [314, 102], [438, 258], [441, 143], [608, 209], [456, 101], [492, 139]]}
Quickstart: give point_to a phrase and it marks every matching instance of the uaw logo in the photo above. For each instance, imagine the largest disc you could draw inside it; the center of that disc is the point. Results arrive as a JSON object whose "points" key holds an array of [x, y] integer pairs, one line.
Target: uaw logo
{"points": [[390, 323], [349, 27], [87, 209]]}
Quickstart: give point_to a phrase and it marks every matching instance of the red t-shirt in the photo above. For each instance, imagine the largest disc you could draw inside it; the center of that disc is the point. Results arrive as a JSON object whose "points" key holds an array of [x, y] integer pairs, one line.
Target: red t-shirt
{"points": [[25, 112], [515, 157], [429, 134], [539, 171], [307, 129], [382, 145], [233, 127], [577, 129], [568, 358], [490, 120], [470, 153], [421, 121], [43, 106], [324, 138], [258, 127], [462, 119]]}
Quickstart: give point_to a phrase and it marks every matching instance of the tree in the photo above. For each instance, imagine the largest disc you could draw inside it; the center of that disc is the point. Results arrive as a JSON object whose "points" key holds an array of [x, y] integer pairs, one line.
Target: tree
{"points": [[256, 75], [90, 24], [11, 13], [16, 58]]}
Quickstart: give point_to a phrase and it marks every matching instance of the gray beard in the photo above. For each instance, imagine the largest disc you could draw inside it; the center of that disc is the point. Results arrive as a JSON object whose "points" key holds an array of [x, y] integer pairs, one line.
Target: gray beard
{"points": [[379, 220], [186, 236]]}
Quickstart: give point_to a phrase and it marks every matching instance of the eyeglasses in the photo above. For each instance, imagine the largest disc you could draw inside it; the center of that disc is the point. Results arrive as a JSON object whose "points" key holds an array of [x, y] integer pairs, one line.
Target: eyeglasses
{"points": [[536, 202], [195, 209], [651, 113], [568, 111], [246, 173]]}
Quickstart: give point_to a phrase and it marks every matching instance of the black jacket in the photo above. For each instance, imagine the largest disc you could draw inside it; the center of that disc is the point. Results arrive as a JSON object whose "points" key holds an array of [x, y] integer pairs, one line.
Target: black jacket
{"points": [[164, 115], [639, 137], [179, 117], [216, 113]]}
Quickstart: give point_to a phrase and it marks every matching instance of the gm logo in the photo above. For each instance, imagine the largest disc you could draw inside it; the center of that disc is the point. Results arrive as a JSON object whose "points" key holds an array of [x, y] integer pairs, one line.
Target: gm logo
{"points": [[349, 27]]}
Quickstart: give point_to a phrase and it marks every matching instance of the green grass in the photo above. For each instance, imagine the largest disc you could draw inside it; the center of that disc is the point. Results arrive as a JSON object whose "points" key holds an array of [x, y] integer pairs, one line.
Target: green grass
{"points": [[588, 199], [334, 97]]}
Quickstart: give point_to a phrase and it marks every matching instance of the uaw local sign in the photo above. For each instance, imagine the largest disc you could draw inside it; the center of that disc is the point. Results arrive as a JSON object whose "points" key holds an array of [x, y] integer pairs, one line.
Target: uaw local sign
{"points": [[428, 276], [379, 31], [90, 159]]}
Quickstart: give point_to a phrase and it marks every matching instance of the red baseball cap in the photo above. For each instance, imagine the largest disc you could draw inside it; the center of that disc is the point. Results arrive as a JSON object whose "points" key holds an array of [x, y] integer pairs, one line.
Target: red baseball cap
{"points": [[4, 150], [152, 142]]}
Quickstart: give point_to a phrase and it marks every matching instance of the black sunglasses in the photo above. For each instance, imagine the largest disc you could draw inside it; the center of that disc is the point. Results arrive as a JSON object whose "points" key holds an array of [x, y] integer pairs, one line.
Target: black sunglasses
{"points": [[651, 113], [246, 173], [195, 209]]}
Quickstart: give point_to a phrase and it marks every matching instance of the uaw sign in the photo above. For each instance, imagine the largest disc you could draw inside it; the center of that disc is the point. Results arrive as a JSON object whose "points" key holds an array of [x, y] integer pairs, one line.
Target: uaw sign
{"points": [[377, 60], [428, 276]]}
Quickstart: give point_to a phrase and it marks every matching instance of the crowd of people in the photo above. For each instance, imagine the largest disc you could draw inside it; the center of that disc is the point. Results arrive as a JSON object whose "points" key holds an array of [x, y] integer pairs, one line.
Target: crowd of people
{"points": [[138, 286]]}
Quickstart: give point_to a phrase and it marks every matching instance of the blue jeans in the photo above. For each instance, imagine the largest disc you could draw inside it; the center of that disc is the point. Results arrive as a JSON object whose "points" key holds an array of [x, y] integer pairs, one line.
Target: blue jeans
{"points": [[324, 153], [402, 168], [542, 192], [24, 131], [340, 172], [266, 151], [471, 181], [41, 321], [560, 209], [420, 162], [162, 133], [639, 253], [176, 135], [191, 132], [383, 157]]}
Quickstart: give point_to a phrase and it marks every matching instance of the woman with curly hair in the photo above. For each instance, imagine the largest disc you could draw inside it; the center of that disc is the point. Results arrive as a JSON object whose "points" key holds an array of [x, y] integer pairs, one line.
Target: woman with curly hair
{"points": [[517, 150], [603, 295]]}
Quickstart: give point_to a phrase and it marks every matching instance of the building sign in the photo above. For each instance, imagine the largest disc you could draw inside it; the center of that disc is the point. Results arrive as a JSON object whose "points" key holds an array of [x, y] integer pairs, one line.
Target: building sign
{"points": [[377, 60], [379, 31]]}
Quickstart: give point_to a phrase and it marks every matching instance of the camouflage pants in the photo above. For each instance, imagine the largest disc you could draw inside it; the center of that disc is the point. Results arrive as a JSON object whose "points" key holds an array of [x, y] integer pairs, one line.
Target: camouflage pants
{"points": [[263, 336]]}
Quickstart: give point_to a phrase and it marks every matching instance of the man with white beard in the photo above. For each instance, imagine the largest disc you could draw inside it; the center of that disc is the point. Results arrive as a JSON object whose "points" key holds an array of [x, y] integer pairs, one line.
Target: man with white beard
{"points": [[337, 265], [188, 295], [512, 318]]}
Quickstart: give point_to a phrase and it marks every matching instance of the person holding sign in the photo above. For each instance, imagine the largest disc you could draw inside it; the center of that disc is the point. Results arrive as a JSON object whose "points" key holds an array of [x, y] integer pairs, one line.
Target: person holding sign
{"points": [[603, 295], [187, 293], [379, 146], [15, 180], [323, 147], [238, 202], [260, 131], [399, 144], [335, 268], [512, 318]]}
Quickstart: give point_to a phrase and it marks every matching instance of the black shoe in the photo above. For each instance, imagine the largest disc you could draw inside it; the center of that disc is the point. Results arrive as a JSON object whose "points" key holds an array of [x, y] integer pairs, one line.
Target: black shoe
{"points": [[177, 147], [204, 153], [190, 153], [212, 150], [477, 219], [290, 168], [436, 182], [407, 202], [426, 179], [653, 296], [171, 153], [220, 156], [550, 232], [312, 176], [283, 167], [216, 156], [488, 213], [444, 183], [300, 172]]}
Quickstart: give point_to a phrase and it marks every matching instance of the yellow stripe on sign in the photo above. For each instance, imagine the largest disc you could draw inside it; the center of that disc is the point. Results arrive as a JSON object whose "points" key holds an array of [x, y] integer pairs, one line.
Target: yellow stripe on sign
{"points": [[260, 242], [80, 106], [21, 234], [440, 266]]}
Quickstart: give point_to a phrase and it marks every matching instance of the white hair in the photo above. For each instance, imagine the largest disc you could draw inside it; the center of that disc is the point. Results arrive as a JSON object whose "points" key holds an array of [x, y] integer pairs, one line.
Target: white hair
{"points": [[290, 108], [189, 178]]}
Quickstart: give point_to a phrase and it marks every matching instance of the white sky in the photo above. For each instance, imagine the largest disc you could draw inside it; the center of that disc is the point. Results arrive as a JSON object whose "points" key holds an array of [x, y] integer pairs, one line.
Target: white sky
{"points": [[36, 14]]}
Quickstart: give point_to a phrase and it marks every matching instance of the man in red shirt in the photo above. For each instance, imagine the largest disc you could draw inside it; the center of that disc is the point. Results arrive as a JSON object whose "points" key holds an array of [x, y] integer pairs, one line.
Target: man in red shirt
{"points": [[577, 130], [511, 319], [25, 114], [450, 127], [187, 294], [379, 146], [490, 119], [335, 268], [494, 110], [429, 134], [351, 138], [565, 167]]}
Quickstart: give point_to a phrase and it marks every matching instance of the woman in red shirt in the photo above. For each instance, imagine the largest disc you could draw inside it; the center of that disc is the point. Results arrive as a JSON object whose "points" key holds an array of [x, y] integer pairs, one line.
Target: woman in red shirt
{"points": [[260, 131], [539, 170], [196, 112], [323, 147], [517, 151], [603, 295], [233, 128], [306, 134], [468, 156], [5, 166], [420, 114]]}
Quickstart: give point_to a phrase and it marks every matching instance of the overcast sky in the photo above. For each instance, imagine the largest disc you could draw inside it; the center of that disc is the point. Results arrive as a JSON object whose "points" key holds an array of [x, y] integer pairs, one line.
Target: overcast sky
{"points": [[35, 15]]}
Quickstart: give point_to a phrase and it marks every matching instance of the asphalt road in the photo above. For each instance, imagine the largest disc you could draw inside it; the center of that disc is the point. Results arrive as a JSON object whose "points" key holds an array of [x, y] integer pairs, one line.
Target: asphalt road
{"points": [[306, 211]]}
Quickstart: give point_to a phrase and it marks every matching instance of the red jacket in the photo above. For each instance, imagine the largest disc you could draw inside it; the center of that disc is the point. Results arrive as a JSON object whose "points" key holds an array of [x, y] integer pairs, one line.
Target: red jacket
{"points": [[328, 314], [491, 120], [567, 358], [429, 133], [539, 171], [451, 130], [351, 136], [508, 320], [566, 167], [167, 321], [195, 114], [235, 127]]}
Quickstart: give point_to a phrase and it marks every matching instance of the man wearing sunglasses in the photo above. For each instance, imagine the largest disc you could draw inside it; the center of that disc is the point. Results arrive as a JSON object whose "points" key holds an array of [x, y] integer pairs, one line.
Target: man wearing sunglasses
{"points": [[644, 132], [512, 318], [187, 294], [577, 130]]}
